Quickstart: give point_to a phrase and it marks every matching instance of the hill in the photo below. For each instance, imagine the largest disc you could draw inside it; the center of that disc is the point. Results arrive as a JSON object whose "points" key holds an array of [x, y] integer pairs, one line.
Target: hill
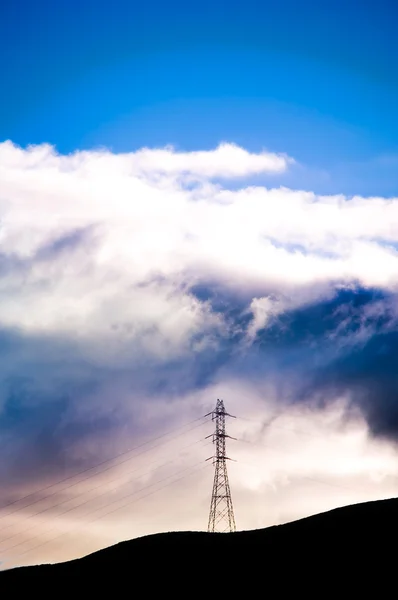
{"points": [[346, 552]]}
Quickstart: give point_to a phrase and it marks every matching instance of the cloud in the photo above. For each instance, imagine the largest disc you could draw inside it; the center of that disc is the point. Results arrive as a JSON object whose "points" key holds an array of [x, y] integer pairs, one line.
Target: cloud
{"points": [[226, 161], [135, 286]]}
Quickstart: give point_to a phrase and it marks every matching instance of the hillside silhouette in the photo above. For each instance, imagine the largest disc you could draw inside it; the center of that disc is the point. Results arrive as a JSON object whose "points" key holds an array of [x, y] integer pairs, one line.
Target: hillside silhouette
{"points": [[346, 552]]}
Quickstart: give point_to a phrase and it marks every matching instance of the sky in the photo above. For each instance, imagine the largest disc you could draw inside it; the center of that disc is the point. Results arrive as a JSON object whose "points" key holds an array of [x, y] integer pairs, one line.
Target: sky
{"points": [[197, 201]]}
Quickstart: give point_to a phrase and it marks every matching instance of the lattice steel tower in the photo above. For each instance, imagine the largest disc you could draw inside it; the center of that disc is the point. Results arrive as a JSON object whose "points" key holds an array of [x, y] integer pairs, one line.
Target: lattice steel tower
{"points": [[221, 517]]}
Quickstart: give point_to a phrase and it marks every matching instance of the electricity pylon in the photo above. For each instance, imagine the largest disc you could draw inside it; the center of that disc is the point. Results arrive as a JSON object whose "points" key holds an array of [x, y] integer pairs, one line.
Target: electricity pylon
{"points": [[221, 517]]}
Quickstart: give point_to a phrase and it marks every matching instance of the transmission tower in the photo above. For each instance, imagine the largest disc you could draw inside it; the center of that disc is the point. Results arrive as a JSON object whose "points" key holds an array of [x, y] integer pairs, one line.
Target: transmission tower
{"points": [[221, 517]]}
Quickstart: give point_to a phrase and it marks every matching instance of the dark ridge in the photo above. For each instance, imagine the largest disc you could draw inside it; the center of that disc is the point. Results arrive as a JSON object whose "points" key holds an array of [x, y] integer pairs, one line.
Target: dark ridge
{"points": [[347, 552]]}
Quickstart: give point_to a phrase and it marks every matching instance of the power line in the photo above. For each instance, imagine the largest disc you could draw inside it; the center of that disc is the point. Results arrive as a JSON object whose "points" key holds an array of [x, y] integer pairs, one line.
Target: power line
{"points": [[94, 474], [174, 481], [52, 506], [84, 502], [95, 466], [126, 504], [224, 495]]}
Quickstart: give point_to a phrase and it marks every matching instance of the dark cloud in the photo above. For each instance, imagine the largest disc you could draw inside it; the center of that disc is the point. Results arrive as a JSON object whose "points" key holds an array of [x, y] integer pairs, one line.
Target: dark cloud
{"points": [[369, 375], [318, 322], [42, 383], [344, 346], [60, 412]]}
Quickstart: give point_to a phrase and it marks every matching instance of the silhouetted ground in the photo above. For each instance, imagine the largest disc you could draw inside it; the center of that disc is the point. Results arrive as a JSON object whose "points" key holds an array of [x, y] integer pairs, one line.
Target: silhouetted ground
{"points": [[345, 553]]}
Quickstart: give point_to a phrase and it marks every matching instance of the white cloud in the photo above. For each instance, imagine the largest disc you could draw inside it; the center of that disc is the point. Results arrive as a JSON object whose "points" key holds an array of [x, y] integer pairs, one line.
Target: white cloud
{"points": [[152, 237], [263, 311], [227, 160]]}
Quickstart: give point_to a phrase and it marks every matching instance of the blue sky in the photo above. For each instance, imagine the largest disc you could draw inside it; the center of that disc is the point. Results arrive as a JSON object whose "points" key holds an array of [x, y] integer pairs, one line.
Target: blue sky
{"points": [[316, 80]]}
